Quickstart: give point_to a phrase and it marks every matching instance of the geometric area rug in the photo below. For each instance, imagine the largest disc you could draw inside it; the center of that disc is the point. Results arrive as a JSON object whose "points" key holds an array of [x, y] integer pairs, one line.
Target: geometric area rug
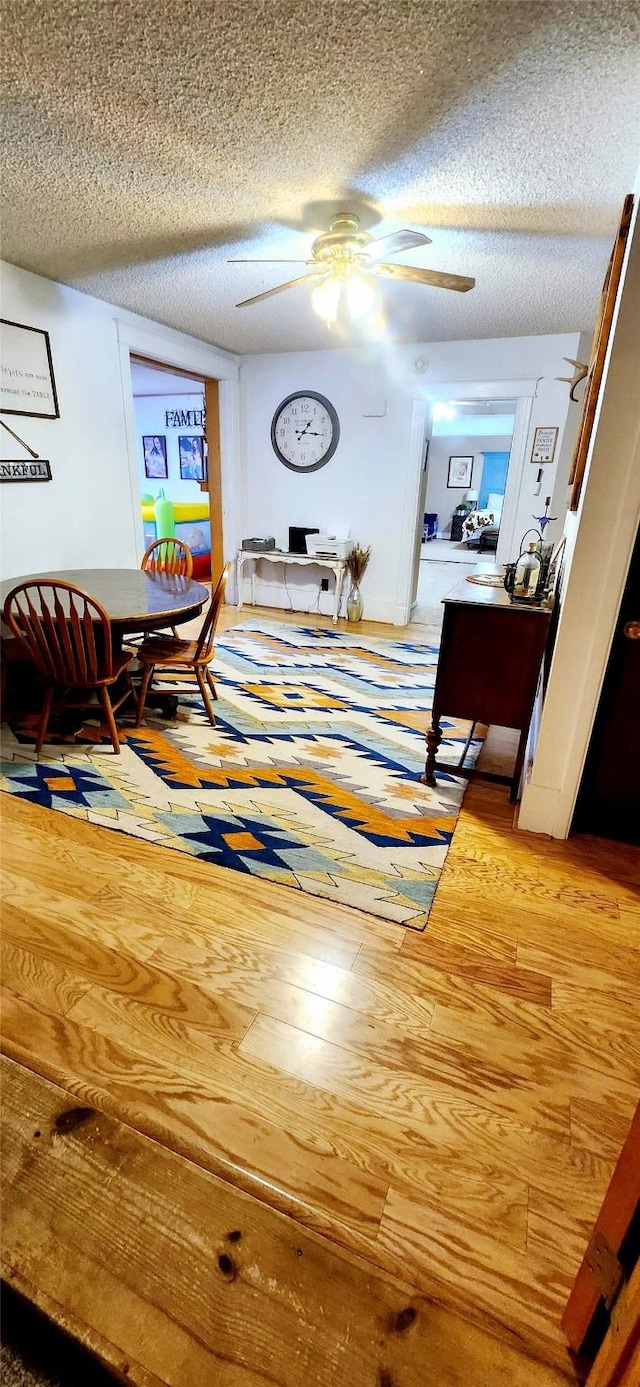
{"points": [[311, 777]]}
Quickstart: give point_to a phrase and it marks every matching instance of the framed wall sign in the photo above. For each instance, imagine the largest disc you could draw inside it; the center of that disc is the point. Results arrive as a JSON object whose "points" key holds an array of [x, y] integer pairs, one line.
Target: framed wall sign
{"points": [[37, 471], [460, 469], [544, 445], [27, 384], [154, 447]]}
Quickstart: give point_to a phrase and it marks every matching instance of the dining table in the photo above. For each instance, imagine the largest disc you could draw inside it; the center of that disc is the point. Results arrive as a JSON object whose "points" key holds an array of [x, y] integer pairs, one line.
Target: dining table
{"points": [[134, 600]]}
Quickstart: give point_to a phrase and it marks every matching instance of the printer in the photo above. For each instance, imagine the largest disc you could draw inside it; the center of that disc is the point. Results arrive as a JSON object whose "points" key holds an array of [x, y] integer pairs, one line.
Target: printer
{"points": [[323, 546]]}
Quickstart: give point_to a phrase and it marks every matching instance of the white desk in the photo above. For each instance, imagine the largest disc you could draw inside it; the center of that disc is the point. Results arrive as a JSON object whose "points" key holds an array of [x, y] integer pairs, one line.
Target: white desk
{"points": [[336, 566]]}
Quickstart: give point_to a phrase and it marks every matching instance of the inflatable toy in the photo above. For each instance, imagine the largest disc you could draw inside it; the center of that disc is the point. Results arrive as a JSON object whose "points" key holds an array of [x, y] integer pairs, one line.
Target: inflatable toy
{"points": [[191, 524]]}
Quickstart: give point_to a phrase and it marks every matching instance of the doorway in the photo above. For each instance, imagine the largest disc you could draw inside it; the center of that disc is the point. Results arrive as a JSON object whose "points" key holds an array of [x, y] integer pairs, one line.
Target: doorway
{"points": [[608, 803], [461, 496], [177, 439]]}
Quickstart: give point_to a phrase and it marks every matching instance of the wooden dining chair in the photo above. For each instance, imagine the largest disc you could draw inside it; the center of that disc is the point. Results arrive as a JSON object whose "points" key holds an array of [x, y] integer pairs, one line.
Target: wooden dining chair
{"points": [[168, 556], [173, 655], [66, 634]]}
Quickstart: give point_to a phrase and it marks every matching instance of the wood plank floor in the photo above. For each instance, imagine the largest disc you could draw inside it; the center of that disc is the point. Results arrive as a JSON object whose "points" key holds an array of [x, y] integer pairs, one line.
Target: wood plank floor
{"points": [[448, 1105], [173, 1277]]}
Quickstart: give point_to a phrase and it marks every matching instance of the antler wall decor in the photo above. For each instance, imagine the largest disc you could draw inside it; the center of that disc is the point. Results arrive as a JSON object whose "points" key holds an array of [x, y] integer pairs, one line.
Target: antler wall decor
{"points": [[580, 373]]}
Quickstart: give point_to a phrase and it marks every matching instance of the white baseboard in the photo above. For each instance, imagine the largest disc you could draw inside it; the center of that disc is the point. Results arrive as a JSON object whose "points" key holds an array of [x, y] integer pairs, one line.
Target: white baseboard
{"points": [[538, 812], [303, 598]]}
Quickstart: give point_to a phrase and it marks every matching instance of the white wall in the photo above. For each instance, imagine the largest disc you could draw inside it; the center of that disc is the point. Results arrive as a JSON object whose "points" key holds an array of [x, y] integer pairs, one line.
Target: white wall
{"points": [[443, 499], [367, 483], [87, 516], [600, 539]]}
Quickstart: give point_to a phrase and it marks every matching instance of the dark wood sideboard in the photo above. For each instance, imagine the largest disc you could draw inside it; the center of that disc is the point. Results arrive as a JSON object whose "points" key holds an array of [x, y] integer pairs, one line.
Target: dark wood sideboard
{"points": [[488, 669]]}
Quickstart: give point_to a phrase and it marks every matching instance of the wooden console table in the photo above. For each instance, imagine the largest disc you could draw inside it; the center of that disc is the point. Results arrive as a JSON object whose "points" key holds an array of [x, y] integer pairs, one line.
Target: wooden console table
{"points": [[488, 669], [336, 566]]}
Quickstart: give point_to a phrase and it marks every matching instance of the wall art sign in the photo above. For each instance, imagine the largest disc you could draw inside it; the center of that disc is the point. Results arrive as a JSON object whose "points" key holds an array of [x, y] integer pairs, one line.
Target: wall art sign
{"points": [[544, 444], [38, 471], [460, 469], [154, 447], [184, 418], [191, 454], [27, 384]]}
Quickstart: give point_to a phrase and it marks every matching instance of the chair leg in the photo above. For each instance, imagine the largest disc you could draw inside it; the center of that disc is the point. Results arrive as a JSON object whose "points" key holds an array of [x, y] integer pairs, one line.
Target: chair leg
{"points": [[44, 719], [130, 686], [144, 689], [211, 682], [110, 720], [205, 695]]}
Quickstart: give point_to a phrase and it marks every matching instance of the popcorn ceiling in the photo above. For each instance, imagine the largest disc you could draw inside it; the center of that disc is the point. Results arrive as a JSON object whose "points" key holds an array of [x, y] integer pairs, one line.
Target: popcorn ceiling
{"points": [[146, 144]]}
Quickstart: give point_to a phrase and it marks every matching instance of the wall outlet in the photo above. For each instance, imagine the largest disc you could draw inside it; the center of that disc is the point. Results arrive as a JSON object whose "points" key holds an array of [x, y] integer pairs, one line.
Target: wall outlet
{"points": [[324, 584]]}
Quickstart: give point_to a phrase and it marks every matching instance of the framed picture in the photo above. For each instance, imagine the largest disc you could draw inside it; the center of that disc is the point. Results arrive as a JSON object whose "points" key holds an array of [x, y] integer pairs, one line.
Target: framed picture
{"points": [[460, 469], [544, 445], [27, 385], [191, 454], [154, 447]]}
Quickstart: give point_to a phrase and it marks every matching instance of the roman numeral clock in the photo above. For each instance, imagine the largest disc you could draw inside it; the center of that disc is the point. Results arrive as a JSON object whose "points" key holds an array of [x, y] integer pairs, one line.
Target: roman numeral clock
{"points": [[305, 431]]}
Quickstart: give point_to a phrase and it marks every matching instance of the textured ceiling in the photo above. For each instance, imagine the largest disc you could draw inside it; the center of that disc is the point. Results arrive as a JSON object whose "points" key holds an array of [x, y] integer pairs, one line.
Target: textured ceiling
{"points": [[144, 144]]}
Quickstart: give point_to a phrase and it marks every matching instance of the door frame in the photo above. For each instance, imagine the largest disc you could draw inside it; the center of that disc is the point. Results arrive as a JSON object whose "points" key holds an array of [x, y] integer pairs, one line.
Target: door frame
{"points": [[523, 392], [164, 347], [600, 537]]}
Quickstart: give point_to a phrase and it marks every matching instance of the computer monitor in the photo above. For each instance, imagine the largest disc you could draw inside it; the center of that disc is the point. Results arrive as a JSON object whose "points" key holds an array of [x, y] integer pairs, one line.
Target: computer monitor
{"points": [[298, 536]]}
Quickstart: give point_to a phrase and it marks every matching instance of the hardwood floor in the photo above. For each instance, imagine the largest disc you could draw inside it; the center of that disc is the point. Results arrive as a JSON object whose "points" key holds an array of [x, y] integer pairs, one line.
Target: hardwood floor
{"points": [[448, 1105], [173, 1277]]}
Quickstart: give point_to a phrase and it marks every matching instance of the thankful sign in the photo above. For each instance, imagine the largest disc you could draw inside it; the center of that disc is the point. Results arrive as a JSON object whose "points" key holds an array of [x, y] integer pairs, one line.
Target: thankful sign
{"points": [[38, 471]]}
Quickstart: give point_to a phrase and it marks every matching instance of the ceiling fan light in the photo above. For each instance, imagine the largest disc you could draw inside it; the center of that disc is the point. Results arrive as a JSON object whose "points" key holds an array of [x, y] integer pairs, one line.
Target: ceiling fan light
{"points": [[443, 411], [325, 299], [360, 296]]}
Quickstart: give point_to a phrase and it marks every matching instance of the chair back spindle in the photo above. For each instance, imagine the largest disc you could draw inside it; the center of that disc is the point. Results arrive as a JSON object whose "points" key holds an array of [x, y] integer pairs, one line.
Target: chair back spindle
{"points": [[208, 629], [168, 556], [66, 633]]}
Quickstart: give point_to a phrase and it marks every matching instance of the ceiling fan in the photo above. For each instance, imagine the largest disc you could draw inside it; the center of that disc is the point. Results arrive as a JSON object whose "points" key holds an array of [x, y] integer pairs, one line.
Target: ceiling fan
{"points": [[345, 258]]}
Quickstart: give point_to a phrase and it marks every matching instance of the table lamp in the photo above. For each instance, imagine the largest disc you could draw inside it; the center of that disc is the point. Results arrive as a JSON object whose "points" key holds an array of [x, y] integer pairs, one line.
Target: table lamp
{"points": [[470, 501]]}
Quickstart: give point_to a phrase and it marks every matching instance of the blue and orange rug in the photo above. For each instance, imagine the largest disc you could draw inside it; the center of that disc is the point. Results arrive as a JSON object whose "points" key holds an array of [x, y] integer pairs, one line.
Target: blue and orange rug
{"points": [[311, 777]]}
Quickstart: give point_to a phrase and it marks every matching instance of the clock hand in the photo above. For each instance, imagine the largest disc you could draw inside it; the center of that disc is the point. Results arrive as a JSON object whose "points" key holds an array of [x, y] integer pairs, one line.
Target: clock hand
{"points": [[304, 430]]}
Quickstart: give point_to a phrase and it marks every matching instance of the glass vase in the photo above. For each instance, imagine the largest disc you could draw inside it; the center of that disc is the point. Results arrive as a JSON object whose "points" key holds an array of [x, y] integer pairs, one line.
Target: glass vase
{"points": [[354, 604]]}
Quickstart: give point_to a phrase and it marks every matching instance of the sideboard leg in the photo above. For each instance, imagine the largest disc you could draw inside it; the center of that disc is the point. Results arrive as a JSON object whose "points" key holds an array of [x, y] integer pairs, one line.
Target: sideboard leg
{"points": [[519, 762], [434, 738]]}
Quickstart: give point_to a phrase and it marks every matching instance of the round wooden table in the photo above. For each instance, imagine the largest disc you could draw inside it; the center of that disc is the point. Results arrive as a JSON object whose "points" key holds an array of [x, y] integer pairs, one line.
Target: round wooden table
{"points": [[134, 600]]}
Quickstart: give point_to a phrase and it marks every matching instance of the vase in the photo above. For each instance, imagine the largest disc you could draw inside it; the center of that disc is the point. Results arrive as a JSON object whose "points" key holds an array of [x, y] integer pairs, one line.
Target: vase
{"points": [[354, 604]]}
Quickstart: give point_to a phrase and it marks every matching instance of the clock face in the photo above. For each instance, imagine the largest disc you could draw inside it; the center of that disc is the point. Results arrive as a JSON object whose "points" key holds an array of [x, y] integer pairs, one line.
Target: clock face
{"points": [[305, 431]]}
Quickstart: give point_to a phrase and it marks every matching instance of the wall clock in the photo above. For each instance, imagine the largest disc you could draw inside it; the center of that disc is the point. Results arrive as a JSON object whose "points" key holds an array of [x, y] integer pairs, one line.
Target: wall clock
{"points": [[305, 431]]}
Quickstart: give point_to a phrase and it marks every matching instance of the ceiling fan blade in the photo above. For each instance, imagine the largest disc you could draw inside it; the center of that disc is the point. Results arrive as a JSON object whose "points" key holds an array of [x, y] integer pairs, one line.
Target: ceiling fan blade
{"points": [[279, 289], [439, 278], [397, 241]]}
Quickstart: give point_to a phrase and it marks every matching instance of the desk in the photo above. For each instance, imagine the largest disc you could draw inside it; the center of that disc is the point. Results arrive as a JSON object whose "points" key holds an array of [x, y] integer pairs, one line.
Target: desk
{"points": [[488, 669], [336, 566], [133, 599]]}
